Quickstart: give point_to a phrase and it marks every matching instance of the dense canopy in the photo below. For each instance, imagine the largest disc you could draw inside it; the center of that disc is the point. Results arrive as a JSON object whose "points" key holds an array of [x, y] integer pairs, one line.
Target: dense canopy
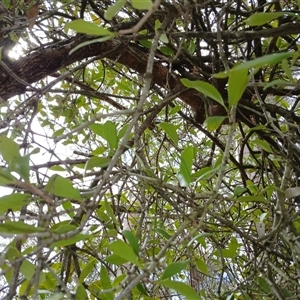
{"points": [[149, 149]]}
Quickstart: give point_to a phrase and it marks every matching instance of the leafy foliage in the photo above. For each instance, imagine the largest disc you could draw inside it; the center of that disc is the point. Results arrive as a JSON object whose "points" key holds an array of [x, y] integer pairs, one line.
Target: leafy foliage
{"points": [[149, 149]]}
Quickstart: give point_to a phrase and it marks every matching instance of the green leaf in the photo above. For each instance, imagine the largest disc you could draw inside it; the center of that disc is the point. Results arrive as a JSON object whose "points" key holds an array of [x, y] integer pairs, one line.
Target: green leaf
{"points": [[239, 190], [70, 241], [170, 130], [265, 17], [256, 198], [205, 88], [86, 43], [82, 26], [174, 268], [13, 202], [287, 70], [142, 5], [115, 260], [62, 187], [270, 59], [186, 163], [232, 247], [19, 227], [163, 233], [97, 162], [163, 37], [130, 237], [110, 211], [263, 145], [62, 227], [202, 266], [147, 44], [142, 289], [124, 251], [277, 82], [81, 293], [106, 283], [21, 166], [107, 131], [166, 50], [28, 270], [204, 173], [182, 288], [112, 10], [6, 177], [213, 123], [237, 84], [9, 149], [264, 286]]}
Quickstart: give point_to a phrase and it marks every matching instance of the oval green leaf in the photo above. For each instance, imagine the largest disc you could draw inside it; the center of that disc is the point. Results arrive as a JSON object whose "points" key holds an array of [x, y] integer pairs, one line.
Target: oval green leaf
{"points": [[170, 130], [205, 88], [263, 145], [265, 17], [213, 123], [124, 251], [182, 288], [62, 187], [82, 26], [270, 59], [186, 163], [112, 10], [237, 84], [141, 4], [130, 237], [13, 202], [174, 268]]}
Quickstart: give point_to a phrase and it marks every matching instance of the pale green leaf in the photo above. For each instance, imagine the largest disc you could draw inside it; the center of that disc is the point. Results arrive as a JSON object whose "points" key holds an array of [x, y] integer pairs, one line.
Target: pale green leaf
{"points": [[262, 18], [205, 88], [182, 288], [9, 149], [82, 26], [70, 241], [81, 293], [97, 162], [163, 37], [263, 145], [13, 202], [86, 43], [262, 283], [113, 9], [213, 123], [124, 251], [270, 59], [142, 4], [202, 266], [170, 130], [106, 282], [107, 131], [232, 247], [115, 260], [277, 82], [237, 84], [28, 270], [62, 187], [132, 240], [186, 163], [256, 198], [21, 166], [6, 177], [287, 70], [19, 228], [174, 268]]}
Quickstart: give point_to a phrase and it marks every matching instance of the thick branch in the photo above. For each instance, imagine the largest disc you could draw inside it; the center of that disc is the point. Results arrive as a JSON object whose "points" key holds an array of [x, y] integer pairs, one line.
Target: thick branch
{"points": [[44, 62]]}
